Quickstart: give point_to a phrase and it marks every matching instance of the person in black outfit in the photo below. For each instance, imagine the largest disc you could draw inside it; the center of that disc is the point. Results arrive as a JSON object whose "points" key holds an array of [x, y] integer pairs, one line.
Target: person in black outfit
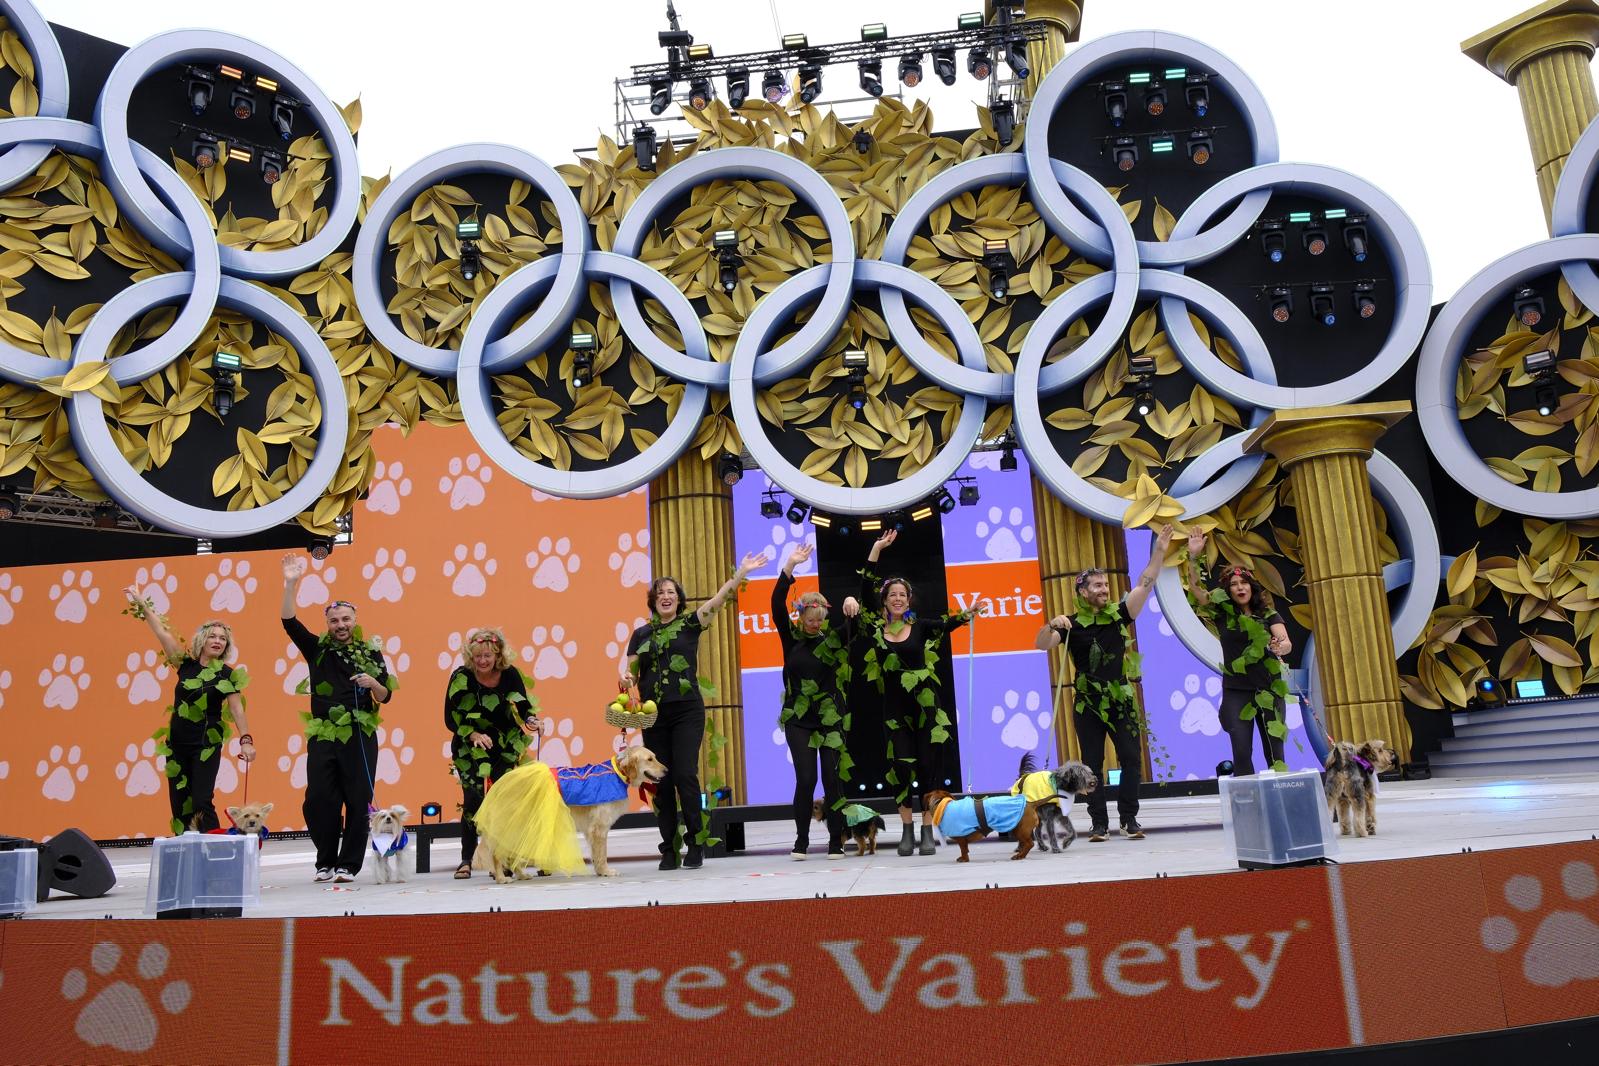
{"points": [[663, 658], [814, 719], [348, 680], [205, 698], [1104, 705], [1253, 640], [490, 716]]}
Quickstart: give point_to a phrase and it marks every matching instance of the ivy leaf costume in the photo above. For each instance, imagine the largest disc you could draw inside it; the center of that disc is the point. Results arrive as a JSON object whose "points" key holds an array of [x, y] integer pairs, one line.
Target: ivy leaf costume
{"points": [[497, 712], [1254, 688], [668, 673], [198, 727], [815, 716]]}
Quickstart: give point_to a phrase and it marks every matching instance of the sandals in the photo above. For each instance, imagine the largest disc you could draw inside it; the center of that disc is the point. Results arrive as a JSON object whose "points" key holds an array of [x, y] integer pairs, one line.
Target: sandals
{"points": [[463, 871]]}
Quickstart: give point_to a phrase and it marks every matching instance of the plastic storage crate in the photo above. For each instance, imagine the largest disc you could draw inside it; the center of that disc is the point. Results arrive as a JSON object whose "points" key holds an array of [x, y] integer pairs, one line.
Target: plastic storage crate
{"points": [[19, 880], [1274, 820], [203, 875]]}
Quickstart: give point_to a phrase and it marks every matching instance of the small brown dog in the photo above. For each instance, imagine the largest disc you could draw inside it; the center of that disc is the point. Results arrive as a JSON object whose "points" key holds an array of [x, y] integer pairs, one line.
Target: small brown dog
{"points": [[861, 824], [969, 819], [1351, 784], [250, 819]]}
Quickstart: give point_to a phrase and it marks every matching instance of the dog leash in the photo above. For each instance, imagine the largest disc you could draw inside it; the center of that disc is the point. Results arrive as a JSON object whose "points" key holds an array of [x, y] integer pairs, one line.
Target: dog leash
{"points": [[971, 667]]}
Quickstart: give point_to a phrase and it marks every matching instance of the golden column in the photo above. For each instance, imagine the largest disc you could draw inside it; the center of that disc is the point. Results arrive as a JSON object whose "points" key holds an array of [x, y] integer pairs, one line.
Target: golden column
{"points": [[1324, 450], [691, 539], [1062, 19], [1546, 54]]}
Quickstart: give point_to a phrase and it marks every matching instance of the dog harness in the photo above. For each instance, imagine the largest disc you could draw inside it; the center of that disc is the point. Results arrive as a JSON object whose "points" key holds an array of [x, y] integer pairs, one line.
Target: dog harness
{"points": [[979, 814], [1038, 785], [589, 786], [856, 813], [1362, 763], [385, 845]]}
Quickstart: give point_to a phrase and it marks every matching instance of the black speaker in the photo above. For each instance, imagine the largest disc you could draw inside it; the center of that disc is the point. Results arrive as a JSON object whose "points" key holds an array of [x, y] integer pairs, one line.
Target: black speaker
{"points": [[72, 863]]}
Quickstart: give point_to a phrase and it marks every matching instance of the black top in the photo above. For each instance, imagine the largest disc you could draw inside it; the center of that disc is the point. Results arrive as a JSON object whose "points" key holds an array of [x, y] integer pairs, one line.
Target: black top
{"points": [[1098, 649], [1235, 642], [203, 696], [800, 662], [910, 652], [332, 666], [470, 705], [669, 674]]}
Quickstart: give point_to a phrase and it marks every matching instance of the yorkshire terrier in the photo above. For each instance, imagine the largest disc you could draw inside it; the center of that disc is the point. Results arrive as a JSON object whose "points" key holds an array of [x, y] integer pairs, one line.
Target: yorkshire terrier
{"points": [[1350, 782], [862, 830]]}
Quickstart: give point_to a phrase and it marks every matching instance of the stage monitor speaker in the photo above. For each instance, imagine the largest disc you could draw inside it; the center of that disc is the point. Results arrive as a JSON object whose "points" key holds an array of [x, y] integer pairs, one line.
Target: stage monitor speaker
{"points": [[72, 863]]}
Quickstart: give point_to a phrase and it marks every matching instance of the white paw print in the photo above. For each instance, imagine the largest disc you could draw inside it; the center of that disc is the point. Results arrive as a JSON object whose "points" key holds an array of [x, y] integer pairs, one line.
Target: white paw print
{"points": [[1153, 603], [617, 649], [781, 741], [1022, 718], [631, 558], [74, 594], [552, 562], [557, 746], [5, 683], [5, 769], [450, 657], [10, 593], [785, 538], [291, 668], [464, 483], [314, 586], [399, 660], [119, 1015], [293, 763], [230, 585], [142, 682], [471, 569], [393, 753], [141, 770], [61, 773], [389, 575], [549, 652], [232, 768], [62, 680], [1565, 946], [1200, 712], [1003, 534], [157, 586], [389, 486]]}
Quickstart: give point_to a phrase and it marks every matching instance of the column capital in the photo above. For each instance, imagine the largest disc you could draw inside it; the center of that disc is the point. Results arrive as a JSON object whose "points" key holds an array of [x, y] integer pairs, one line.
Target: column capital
{"points": [[1067, 14], [1552, 26], [1307, 432]]}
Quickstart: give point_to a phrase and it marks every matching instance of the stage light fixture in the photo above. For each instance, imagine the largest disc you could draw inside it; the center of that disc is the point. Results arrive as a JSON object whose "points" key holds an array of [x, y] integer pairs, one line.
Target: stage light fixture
{"points": [[271, 166], [644, 147], [699, 53], [871, 525], [978, 65], [944, 65], [674, 38], [266, 84], [1489, 692], [1016, 58], [862, 141], [202, 84], [1546, 395], [1162, 144], [1224, 768], [1144, 402], [1314, 238], [774, 86], [810, 82], [1200, 147], [1115, 93], [1124, 150], [224, 368], [874, 31], [771, 506], [229, 71], [242, 101], [582, 346], [467, 231], [970, 493], [822, 521], [320, 547], [796, 512], [910, 69], [923, 510], [969, 21], [730, 468], [1355, 238], [1282, 304], [1365, 299], [943, 500], [1273, 241], [793, 42], [871, 77], [1003, 116], [1321, 304], [105, 516], [1528, 307], [240, 153], [432, 809], [10, 505], [999, 263], [738, 87], [855, 365], [1155, 99], [284, 109], [660, 96], [699, 93], [1540, 366], [204, 150], [1140, 366], [725, 244], [1141, 369], [1007, 453], [1197, 91]]}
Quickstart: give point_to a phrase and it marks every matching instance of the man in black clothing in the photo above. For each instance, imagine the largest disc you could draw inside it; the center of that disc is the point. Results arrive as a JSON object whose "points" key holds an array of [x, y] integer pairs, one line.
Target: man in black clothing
{"points": [[348, 679]]}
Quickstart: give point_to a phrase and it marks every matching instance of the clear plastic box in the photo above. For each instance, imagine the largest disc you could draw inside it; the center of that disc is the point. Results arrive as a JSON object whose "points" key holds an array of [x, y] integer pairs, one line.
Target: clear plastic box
{"points": [[1273, 819], [203, 871], [19, 880]]}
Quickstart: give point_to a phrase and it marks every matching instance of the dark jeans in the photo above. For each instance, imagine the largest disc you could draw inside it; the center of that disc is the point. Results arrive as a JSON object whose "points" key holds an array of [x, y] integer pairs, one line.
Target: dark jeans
{"points": [[1123, 733], [805, 760], [472, 793], [675, 740], [338, 797], [1234, 700], [199, 779]]}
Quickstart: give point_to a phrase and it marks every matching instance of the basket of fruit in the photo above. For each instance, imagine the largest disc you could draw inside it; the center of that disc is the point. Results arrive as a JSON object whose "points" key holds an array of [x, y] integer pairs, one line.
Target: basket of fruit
{"points": [[627, 711]]}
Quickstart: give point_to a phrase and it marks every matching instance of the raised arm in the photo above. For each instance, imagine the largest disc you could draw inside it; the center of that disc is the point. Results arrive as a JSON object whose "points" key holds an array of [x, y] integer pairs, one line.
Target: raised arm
{"points": [[146, 610], [785, 581], [1146, 581], [293, 571], [714, 604]]}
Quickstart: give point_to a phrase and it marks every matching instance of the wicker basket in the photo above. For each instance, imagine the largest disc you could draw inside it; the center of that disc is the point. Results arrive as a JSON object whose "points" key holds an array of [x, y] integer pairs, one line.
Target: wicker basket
{"points": [[626, 720]]}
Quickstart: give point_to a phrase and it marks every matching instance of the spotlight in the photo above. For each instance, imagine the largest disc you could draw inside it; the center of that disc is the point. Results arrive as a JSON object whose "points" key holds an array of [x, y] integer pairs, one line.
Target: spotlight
{"points": [[698, 53], [660, 96], [1198, 93], [1007, 453], [1314, 238], [1142, 370], [863, 141], [644, 147], [1162, 144], [855, 363], [1224, 768], [1199, 147], [582, 346], [1321, 304], [1538, 363], [670, 39], [202, 83], [1140, 366], [266, 84], [824, 521], [432, 809], [898, 521], [944, 501], [10, 505], [910, 69], [944, 65], [1540, 366], [467, 232], [1528, 307], [105, 516], [874, 31], [796, 512], [730, 468], [725, 242], [1273, 241], [738, 87], [224, 367], [771, 506], [699, 93], [872, 77], [998, 262], [1489, 694], [810, 81], [239, 153], [242, 102], [871, 525], [969, 21], [1115, 93], [271, 166], [321, 547], [774, 86], [1365, 298], [923, 510], [970, 494], [1125, 151], [795, 41], [1282, 304], [1355, 237], [978, 65], [1155, 99], [205, 150], [1016, 58], [1003, 115], [283, 111], [230, 72], [468, 229]]}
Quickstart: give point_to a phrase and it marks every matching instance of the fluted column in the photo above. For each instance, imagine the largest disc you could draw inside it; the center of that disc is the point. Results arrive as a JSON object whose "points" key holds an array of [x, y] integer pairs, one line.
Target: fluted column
{"points": [[1063, 19], [691, 539], [1324, 450], [1546, 53]]}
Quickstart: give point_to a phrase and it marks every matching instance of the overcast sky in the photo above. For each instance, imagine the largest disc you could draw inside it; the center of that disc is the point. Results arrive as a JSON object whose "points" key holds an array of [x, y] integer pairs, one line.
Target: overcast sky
{"points": [[1377, 87]]}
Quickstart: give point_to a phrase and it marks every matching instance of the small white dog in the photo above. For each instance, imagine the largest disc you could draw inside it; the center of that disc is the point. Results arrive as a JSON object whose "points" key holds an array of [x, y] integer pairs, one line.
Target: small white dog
{"points": [[390, 844]]}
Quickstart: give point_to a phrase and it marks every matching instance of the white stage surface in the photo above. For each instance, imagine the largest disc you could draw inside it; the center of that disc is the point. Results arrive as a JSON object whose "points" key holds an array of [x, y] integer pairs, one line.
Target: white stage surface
{"points": [[1184, 837]]}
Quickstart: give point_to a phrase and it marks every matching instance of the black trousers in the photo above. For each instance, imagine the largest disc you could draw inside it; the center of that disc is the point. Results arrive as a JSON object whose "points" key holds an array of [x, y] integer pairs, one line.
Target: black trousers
{"points": [[1123, 733], [1242, 732], [338, 794], [199, 778], [805, 762], [916, 763], [472, 793], [675, 740]]}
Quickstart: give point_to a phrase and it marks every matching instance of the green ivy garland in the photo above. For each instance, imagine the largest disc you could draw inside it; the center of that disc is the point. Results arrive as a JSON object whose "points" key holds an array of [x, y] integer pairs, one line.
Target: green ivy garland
{"points": [[1218, 608], [832, 652], [194, 710], [660, 641], [1105, 698], [473, 764], [366, 655]]}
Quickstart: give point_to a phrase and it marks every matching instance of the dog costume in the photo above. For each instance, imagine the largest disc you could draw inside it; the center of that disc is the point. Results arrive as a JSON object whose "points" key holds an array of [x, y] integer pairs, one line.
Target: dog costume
{"points": [[1038, 785], [589, 786], [529, 823], [856, 813], [979, 814], [383, 845]]}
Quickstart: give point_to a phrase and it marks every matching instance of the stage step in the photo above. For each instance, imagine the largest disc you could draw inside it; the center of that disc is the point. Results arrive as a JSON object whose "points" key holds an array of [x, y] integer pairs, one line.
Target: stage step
{"points": [[1513, 769], [1477, 727], [1586, 733], [1527, 712], [1535, 754]]}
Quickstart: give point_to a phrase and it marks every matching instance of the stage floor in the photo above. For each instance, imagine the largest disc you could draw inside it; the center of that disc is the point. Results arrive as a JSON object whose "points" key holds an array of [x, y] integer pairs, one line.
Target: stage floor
{"points": [[1184, 837]]}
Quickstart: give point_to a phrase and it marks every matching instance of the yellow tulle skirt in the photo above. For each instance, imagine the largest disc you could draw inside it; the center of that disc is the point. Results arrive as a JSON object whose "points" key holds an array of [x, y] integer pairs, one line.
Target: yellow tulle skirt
{"points": [[528, 823]]}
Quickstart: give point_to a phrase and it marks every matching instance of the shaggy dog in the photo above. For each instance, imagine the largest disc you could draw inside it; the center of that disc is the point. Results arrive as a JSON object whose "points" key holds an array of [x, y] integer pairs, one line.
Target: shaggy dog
{"points": [[863, 831], [634, 766], [1351, 784], [1069, 781], [250, 819], [388, 841], [970, 819]]}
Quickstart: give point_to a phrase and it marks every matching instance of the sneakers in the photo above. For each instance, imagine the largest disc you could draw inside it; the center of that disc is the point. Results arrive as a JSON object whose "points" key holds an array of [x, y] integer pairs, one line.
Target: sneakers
{"points": [[1099, 834], [801, 844], [324, 874], [342, 877], [1132, 830], [835, 846]]}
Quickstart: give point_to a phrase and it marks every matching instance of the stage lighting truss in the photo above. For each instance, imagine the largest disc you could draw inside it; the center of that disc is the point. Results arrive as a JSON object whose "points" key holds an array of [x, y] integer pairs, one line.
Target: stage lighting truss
{"points": [[728, 259], [855, 363], [582, 347]]}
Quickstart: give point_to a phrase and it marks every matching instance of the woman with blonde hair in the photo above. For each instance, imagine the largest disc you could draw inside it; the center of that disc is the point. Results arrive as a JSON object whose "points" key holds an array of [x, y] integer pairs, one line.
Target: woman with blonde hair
{"points": [[206, 700], [490, 715]]}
